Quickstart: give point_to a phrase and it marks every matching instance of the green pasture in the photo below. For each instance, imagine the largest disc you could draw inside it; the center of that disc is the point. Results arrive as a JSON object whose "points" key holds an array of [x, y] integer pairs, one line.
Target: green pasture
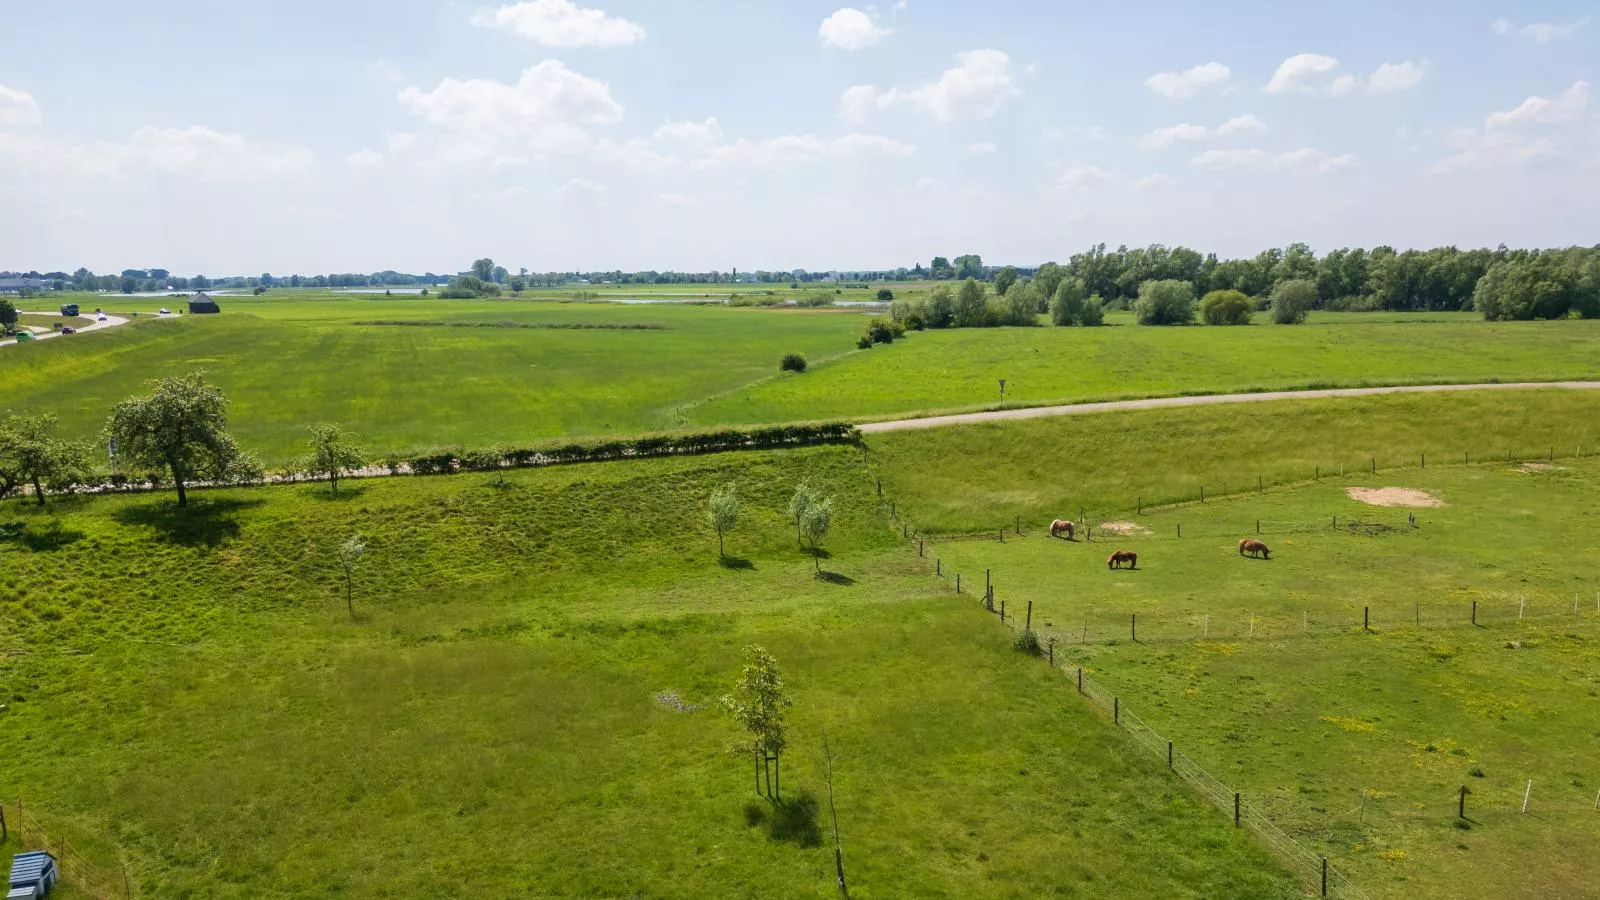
{"points": [[185, 691], [975, 478], [961, 369], [291, 358], [1355, 742]]}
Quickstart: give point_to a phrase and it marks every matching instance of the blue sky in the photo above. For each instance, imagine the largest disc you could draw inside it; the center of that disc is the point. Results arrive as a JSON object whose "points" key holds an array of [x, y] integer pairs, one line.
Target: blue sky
{"points": [[356, 135]]}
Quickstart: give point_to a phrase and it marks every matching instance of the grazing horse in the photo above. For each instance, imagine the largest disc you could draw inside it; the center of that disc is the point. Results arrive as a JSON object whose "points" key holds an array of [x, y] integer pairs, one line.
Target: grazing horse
{"points": [[1123, 556], [1061, 525], [1254, 548]]}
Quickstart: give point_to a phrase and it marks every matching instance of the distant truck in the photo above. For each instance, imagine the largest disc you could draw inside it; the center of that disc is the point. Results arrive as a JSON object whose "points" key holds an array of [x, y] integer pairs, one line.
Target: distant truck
{"points": [[32, 875], [69, 309]]}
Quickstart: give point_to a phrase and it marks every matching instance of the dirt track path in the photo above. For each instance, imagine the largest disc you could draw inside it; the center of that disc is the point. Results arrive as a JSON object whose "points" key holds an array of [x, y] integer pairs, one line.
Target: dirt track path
{"points": [[1038, 412]]}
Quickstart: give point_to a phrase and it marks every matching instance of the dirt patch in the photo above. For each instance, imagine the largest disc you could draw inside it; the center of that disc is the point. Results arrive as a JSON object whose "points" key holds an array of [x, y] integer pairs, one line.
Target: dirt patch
{"points": [[1539, 467], [1394, 496], [1124, 528]]}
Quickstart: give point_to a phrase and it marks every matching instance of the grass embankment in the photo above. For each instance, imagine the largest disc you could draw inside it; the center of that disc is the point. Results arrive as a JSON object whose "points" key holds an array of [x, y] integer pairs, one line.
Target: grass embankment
{"points": [[961, 369], [1356, 743], [978, 477], [413, 389], [591, 369], [194, 696]]}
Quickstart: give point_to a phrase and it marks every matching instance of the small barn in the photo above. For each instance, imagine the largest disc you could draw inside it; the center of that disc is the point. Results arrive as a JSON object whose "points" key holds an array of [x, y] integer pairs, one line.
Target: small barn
{"points": [[201, 303]]}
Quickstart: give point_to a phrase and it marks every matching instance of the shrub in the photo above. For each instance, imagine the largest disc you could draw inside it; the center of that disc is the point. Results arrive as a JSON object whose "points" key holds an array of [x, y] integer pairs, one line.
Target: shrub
{"points": [[1165, 303], [1028, 642], [883, 331], [813, 301], [792, 362], [971, 306], [914, 321], [1227, 308], [864, 343], [1094, 313], [1066, 307], [885, 295], [1020, 306], [1291, 300]]}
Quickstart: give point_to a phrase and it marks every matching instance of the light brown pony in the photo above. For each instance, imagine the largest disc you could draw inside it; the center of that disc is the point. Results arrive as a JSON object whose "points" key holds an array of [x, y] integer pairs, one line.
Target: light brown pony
{"points": [[1254, 548], [1061, 525], [1123, 556]]}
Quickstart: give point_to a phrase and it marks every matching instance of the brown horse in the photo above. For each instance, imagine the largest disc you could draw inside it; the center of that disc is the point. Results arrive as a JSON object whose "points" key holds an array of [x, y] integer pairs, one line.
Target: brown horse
{"points": [[1116, 559], [1060, 525], [1254, 548]]}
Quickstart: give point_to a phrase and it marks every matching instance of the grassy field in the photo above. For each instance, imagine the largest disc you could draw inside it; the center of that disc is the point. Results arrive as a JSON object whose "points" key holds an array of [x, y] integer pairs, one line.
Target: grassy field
{"points": [[1356, 743], [980, 477], [961, 369], [291, 358], [186, 691]]}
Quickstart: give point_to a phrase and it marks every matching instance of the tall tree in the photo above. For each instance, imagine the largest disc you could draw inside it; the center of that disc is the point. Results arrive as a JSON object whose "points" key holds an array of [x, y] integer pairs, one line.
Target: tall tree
{"points": [[8, 315], [815, 523], [722, 512], [484, 269], [757, 703], [971, 306], [31, 453], [181, 430], [333, 453], [1066, 307], [969, 266], [1004, 280]]}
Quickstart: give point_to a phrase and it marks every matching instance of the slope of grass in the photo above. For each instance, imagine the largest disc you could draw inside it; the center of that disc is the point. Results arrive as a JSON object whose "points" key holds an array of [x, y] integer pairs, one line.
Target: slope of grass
{"points": [[961, 369], [192, 695], [979, 477], [404, 389], [1356, 743]]}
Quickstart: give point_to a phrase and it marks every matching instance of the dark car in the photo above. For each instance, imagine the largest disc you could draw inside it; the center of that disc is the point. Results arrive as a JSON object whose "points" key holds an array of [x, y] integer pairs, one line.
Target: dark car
{"points": [[68, 329]]}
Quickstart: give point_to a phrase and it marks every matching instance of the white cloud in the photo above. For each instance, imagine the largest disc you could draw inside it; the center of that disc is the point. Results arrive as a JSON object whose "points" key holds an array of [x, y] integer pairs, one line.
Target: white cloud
{"points": [[1392, 78], [1344, 84], [560, 23], [549, 109], [1185, 84], [1305, 159], [982, 147], [694, 134], [900, 5], [1540, 111], [1218, 160], [795, 149], [18, 108], [1304, 72], [1241, 125], [926, 184], [580, 187], [1162, 137], [1079, 174], [851, 29], [976, 88], [681, 201], [1154, 181], [365, 159], [196, 152], [1497, 150], [853, 146], [1541, 32]]}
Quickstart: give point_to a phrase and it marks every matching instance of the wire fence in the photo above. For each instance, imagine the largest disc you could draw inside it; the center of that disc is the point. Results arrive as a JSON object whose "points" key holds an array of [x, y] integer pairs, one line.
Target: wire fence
{"points": [[21, 828]]}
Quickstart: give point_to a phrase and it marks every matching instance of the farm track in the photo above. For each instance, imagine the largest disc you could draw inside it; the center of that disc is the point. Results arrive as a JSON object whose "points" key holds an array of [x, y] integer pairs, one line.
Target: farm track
{"points": [[1074, 409]]}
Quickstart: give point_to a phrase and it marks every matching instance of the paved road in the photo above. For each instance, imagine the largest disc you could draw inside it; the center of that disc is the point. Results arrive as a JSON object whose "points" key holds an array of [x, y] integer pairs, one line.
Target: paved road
{"points": [[1003, 415], [110, 322]]}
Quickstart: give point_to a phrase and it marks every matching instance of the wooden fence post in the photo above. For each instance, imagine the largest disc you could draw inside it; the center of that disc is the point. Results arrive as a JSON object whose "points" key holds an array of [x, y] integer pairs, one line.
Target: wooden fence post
{"points": [[1474, 612], [1169, 756], [1116, 710], [1080, 679], [1461, 808], [1052, 653], [1028, 623], [1366, 618], [1002, 610], [1324, 876], [1133, 628], [1202, 493], [958, 582], [1236, 809]]}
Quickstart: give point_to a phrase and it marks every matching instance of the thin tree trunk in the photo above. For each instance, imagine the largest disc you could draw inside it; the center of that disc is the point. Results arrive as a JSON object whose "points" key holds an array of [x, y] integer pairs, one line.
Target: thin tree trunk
{"points": [[333, 482], [758, 772], [349, 594], [720, 552], [183, 497], [777, 779], [38, 491]]}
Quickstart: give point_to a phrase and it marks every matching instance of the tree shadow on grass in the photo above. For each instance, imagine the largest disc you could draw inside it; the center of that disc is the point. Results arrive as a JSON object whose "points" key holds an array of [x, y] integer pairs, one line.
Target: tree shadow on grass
{"points": [[836, 578], [793, 820], [345, 494], [203, 523], [736, 563], [40, 538]]}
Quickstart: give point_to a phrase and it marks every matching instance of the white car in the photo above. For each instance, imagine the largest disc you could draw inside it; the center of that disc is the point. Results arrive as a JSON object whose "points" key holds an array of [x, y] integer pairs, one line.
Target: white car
{"points": [[102, 317], [165, 311]]}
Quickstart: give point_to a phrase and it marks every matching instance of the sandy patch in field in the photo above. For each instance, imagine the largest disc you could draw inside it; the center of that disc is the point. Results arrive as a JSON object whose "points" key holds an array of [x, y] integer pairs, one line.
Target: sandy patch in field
{"points": [[1123, 528], [1394, 496], [1539, 467]]}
